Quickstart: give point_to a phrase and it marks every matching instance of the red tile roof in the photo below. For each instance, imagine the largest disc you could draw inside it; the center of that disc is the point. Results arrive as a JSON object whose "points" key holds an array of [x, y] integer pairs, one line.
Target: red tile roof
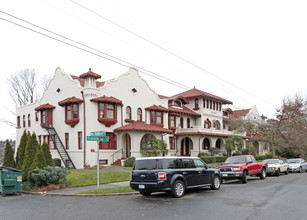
{"points": [[142, 126], [163, 97], [70, 100], [157, 108], [182, 110], [107, 99], [81, 80], [44, 107], [192, 93], [90, 73], [242, 112]]}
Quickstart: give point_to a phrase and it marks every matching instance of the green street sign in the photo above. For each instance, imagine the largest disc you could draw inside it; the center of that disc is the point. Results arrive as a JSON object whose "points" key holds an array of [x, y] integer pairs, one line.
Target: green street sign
{"points": [[95, 138], [98, 133]]}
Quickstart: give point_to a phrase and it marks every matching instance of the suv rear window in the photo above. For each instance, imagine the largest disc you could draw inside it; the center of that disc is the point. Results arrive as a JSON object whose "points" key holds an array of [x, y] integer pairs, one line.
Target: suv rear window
{"points": [[145, 165]]}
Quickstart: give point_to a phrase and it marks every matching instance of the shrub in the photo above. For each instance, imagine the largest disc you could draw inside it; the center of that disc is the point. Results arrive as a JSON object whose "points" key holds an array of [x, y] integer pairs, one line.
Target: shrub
{"points": [[129, 162], [9, 155], [57, 162], [21, 149], [214, 159], [47, 154], [49, 175], [30, 152], [202, 154]]}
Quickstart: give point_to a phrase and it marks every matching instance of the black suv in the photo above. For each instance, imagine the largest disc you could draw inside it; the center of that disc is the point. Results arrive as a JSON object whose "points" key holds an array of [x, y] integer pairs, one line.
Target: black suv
{"points": [[172, 174]]}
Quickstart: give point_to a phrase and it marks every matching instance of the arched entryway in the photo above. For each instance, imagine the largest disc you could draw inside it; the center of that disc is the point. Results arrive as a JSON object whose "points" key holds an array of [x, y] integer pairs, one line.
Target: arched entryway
{"points": [[206, 144], [127, 146], [218, 144], [186, 147]]}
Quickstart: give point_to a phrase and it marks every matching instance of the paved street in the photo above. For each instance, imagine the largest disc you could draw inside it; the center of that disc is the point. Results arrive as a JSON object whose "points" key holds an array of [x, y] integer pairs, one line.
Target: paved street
{"points": [[283, 197]]}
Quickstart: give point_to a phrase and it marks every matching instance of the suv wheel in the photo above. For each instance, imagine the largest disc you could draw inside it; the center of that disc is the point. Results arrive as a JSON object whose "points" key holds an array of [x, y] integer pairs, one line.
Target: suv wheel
{"points": [[178, 189], [145, 193], [216, 183]]}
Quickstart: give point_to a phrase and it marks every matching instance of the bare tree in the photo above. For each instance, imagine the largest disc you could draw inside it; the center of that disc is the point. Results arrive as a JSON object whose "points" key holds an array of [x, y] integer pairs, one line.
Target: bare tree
{"points": [[23, 85], [45, 80]]}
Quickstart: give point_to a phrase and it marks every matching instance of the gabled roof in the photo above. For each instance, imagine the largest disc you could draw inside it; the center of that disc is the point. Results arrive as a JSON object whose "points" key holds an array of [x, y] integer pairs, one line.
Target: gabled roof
{"points": [[241, 113], [44, 107], [142, 126], [70, 100], [157, 108], [193, 93], [182, 110], [107, 99], [90, 73], [81, 80]]}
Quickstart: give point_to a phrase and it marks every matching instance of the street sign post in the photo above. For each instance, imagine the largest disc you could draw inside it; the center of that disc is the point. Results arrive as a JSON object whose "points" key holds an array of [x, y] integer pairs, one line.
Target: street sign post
{"points": [[98, 136]]}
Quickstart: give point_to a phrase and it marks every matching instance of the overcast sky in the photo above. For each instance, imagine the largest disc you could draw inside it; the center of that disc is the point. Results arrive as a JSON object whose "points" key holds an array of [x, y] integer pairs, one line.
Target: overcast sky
{"points": [[249, 52]]}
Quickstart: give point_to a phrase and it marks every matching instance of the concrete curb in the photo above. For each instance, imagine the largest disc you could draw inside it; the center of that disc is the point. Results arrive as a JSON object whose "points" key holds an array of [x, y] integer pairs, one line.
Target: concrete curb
{"points": [[77, 195]]}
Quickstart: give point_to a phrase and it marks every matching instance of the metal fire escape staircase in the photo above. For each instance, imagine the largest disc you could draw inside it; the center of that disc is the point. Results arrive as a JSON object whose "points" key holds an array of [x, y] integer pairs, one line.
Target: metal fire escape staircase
{"points": [[60, 147]]}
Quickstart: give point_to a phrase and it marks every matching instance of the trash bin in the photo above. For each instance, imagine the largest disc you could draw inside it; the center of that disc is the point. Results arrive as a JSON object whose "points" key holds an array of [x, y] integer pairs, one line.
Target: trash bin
{"points": [[10, 180]]}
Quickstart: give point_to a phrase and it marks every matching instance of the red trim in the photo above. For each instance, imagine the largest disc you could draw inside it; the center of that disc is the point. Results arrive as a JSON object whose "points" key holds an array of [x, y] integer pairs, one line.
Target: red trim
{"points": [[128, 113], [24, 121], [80, 140], [139, 114], [143, 127], [29, 120], [157, 108], [67, 141], [172, 118], [90, 73], [106, 99], [84, 137], [155, 116], [36, 116], [18, 121], [188, 123], [44, 107], [72, 121], [104, 120], [70, 101]]}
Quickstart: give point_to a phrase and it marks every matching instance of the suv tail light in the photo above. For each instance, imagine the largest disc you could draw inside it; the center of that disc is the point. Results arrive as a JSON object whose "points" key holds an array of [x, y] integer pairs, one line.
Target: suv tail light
{"points": [[162, 176]]}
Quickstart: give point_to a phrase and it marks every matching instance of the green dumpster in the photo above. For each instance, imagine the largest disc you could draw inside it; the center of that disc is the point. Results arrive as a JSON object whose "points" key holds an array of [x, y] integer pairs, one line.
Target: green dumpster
{"points": [[10, 180]]}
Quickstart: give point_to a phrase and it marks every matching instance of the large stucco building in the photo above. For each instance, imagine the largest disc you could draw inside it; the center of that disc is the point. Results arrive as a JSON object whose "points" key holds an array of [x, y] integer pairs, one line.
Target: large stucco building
{"points": [[128, 110]]}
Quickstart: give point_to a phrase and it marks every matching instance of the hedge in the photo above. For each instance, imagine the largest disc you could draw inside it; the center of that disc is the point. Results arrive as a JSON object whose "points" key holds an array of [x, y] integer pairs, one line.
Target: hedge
{"points": [[214, 159]]}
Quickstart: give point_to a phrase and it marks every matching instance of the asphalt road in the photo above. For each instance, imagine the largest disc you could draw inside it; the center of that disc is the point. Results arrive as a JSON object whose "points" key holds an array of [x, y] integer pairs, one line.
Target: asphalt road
{"points": [[283, 197]]}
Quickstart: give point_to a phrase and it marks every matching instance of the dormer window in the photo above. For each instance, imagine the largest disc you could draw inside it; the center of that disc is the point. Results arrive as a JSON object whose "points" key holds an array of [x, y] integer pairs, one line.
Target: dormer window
{"points": [[139, 114], [156, 117]]}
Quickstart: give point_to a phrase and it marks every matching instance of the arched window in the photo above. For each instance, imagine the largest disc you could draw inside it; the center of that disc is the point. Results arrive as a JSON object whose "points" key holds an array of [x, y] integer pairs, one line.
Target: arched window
{"points": [[24, 121], [139, 114], [207, 123], [29, 120], [217, 125], [128, 113], [188, 123]]}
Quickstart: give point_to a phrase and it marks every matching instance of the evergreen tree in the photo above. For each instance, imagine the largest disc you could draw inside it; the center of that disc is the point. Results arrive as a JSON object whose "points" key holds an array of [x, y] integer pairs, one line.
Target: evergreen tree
{"points": [[31, 148], [9, 155], [38, 162], [21, 150], [47, 154]]}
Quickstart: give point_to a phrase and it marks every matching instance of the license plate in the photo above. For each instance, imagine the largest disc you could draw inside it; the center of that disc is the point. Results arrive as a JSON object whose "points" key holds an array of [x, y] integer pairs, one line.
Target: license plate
{"points": [[225, 174], [141, 186]]}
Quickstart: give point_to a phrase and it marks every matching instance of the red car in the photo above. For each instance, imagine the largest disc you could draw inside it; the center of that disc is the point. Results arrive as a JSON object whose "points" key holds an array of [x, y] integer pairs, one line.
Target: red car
{"points": [[239, 167]]}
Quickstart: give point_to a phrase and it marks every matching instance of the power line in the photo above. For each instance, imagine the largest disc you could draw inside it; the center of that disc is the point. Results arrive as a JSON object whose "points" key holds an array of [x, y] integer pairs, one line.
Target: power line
{"points": [[168, 51], [145, 71]]}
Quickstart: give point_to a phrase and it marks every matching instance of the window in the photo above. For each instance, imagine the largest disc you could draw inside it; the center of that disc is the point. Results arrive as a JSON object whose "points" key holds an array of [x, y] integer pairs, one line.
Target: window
{"points": [[220, 106], [72, 111], [213, 105], [207, 103], [172, 143], [204, 103], [210, 104], [139, 114], [181, 122], [67, 141], [111, 144], [36, 116], [196, 104], [18, 121], [198, 163], [217, 125], [51, 140], [207, 123], [188, 123], [172, 121], [80, 140], [249, 160], [24, 121], [156, 117], [106, 110], [43, 117], [128, 113], [29, 120]]}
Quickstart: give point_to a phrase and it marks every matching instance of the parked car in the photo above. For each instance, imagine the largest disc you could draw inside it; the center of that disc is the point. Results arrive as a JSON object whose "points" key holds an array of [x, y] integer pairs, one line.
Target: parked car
{"points": [[277, 166], [297, 165], [239, 167], [172, 174]]}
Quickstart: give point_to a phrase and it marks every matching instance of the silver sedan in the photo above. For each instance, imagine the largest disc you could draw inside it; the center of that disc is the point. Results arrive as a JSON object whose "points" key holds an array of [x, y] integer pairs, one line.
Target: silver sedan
{"points": [[297, 165]]}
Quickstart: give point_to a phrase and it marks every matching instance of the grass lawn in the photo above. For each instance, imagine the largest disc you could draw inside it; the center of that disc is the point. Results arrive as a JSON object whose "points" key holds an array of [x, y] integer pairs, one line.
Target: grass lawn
{"points": [[89, 177], [128, 168], [121, 189]]}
